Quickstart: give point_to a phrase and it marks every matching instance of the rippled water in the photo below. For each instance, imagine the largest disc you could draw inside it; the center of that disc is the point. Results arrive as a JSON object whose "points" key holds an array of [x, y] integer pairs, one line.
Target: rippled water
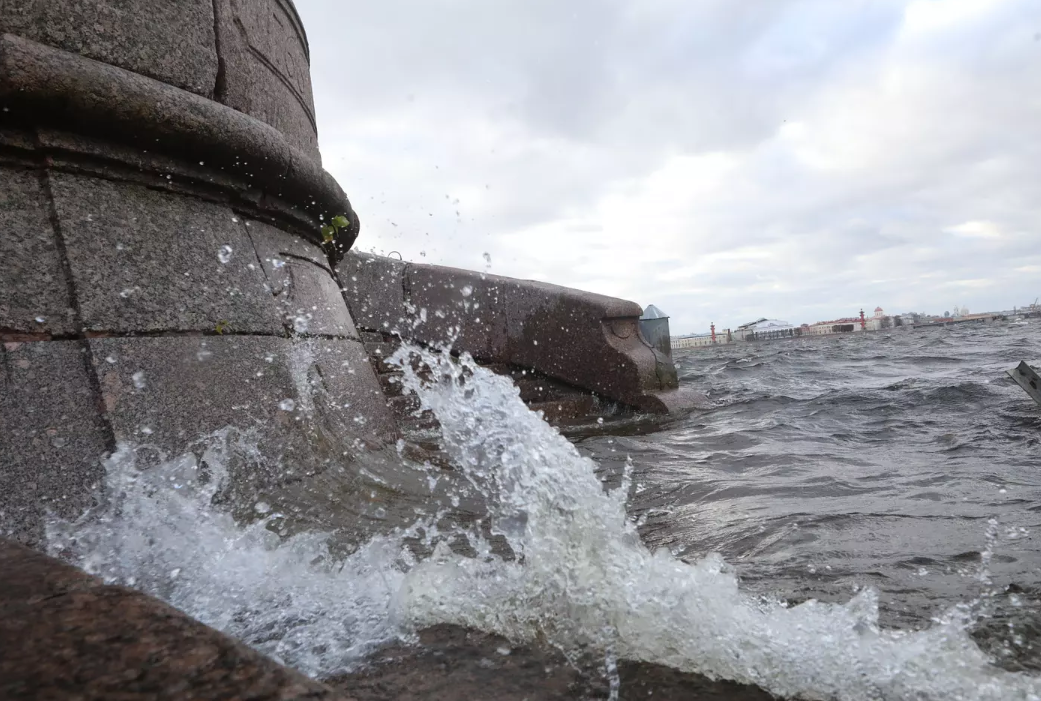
{"points": [[818, 473], [869, 460]]}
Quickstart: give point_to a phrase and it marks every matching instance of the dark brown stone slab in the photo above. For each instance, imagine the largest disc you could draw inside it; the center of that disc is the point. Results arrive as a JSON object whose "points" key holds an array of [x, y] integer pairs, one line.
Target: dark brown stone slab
{"points": [[463, 308], [28, 577], [456, 664], [34, 295], [65, 635], [374, 289], [585, 339], [565, 408], [52, 440], [172, 41], [143, 260], [674, 401]]}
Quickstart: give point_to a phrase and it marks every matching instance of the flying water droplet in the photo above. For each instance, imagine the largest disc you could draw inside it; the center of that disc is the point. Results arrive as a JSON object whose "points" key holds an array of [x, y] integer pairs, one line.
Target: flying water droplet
{"points": [[111, 360], [301, 323], [139, 379], [224, 254], [287, 405], [262, 507], [467, 291], [487, 258], [40, 319]]}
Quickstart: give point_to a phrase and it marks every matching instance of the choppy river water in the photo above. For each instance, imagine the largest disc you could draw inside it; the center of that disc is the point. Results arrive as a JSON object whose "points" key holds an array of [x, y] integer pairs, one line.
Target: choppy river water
{"points": [[907, 462], [856, 518]]}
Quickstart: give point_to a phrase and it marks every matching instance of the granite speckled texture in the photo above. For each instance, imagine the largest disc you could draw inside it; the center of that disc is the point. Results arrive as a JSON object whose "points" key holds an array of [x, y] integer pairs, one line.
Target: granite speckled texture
{"points": [[52, 440], [142, 260], [172, 41], [65, 635], [34, 294]]}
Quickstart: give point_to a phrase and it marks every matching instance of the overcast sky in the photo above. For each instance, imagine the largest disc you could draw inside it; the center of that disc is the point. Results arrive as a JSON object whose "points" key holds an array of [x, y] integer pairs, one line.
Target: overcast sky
{"points": [[722, 159]]}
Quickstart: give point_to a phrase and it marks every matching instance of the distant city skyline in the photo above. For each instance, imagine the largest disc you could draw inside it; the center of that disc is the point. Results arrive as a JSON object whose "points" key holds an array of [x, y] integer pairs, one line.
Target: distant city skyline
{"points": [[954, 310]]}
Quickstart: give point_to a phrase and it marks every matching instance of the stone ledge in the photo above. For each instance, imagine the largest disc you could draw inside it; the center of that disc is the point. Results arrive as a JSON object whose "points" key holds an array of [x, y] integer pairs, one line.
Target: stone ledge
{"points": [[588, 340], [66, 635], [44, 86]]}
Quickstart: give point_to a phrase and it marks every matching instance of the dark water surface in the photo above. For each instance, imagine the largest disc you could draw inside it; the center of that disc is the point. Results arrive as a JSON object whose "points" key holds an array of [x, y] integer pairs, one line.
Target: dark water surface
{"points": [[888, 460]]}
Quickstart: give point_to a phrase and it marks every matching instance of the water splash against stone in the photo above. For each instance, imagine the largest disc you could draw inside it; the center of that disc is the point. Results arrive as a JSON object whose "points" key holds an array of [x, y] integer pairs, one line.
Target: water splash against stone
{"points": [[579, 577]]}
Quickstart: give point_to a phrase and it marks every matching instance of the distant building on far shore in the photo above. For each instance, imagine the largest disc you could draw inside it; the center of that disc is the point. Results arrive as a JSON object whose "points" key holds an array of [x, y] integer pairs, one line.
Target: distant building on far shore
{"points": [[765, 330], [775, 329], [697, 340]]}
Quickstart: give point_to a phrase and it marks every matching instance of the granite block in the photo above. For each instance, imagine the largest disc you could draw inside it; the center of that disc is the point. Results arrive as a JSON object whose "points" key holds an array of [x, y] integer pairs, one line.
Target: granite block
{"points": [[462, 308], [267, 68], [172, 41], [298, 274], [34, 294], [374, 289], [146, 261], [53, 439], [89, 641]]}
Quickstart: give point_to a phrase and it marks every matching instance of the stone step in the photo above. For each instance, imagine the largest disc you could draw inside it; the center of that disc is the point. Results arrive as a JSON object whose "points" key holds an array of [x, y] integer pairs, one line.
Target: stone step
{"points": [[391, 384], [404, 406], [378, 354], [565, 409], [411, 424]]}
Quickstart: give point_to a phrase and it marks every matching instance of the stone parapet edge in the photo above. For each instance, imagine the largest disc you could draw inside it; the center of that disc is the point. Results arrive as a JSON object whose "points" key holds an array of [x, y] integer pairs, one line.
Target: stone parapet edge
{"points": [[608, 357], [41, 86], [150, 650]]}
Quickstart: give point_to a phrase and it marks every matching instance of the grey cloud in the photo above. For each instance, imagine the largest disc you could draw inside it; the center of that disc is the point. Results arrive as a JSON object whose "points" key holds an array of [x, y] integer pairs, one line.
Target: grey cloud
{"points": [[852, 137]]}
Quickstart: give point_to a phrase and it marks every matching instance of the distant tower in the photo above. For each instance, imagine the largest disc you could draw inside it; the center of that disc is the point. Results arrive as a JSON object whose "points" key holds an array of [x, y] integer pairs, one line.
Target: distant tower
{"points": [[879, 313], [713, 327], [863, 322]]}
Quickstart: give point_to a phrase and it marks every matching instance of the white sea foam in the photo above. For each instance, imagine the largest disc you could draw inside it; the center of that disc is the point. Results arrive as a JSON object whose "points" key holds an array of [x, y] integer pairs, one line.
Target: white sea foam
{"points": [[581, 577]]}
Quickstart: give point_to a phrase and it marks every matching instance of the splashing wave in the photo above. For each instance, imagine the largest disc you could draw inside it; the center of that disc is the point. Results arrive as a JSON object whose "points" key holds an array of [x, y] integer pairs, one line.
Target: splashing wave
{"points": [[580, 577]]}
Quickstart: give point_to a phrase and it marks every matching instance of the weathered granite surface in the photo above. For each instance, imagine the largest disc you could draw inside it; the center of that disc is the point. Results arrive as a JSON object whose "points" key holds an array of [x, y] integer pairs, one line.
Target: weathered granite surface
{"points": [[296, 401], [146, 261], [374, 288], [164, 284], [34, 296], [52, 436], [45, 87], [65, 635], [299, 275], [266, 67], [587, 340], [172, 41]]}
